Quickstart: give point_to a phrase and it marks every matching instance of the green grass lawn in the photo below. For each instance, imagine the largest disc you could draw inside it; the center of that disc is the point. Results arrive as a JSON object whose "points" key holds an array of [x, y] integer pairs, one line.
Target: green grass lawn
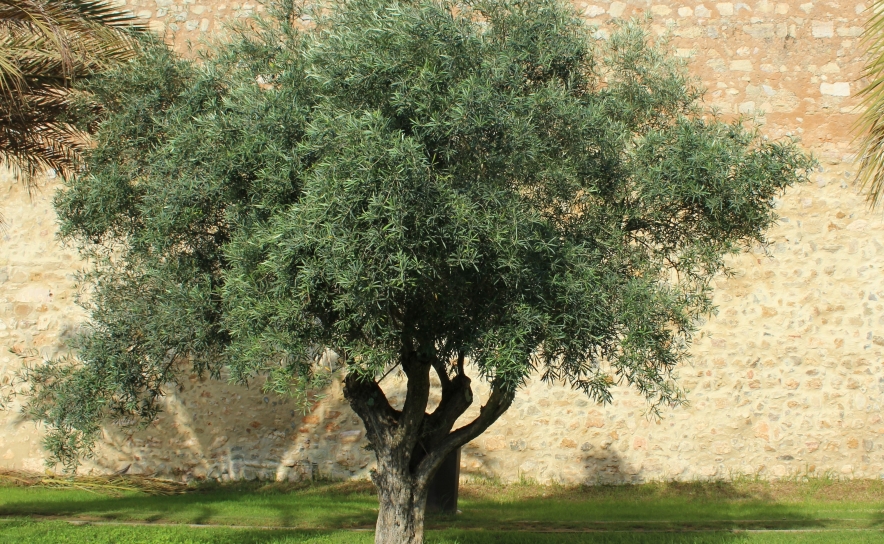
{"points": [[59, 532], [751, 512]]}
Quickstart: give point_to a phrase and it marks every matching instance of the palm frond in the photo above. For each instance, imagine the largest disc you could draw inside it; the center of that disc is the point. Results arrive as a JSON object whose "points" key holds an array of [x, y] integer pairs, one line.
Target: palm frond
{"points": [[45, 46], [870, 126]]}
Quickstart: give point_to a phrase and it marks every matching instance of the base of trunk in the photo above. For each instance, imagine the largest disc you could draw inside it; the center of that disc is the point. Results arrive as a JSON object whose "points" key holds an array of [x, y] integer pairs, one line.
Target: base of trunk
{"points": [[400, 515]]}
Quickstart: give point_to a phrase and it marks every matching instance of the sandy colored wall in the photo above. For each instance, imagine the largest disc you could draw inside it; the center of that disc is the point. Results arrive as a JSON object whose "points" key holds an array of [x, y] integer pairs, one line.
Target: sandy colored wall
{"points": [[786, 379]]}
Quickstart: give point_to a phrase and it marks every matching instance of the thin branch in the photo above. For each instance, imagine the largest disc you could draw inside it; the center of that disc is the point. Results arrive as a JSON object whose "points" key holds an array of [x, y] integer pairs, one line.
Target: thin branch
{"points": [[387, 373], [498, 402], [441, 371], [417, 396]]}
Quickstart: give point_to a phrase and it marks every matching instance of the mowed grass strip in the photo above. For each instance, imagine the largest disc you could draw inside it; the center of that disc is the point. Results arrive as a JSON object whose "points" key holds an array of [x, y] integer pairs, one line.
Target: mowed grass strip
{"points": [[486, 506], [58, 532]]}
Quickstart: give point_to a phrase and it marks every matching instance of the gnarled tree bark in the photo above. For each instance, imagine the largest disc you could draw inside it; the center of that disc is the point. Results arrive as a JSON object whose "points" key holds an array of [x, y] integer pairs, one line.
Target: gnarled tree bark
{"points": [[410, 444]]}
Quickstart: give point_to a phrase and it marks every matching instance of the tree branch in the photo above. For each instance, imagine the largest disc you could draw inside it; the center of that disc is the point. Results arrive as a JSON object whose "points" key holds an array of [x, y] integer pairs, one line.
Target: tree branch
{"points": [[498, 402], [439, 367], [371, 405], [417, 395], [457, 397]]}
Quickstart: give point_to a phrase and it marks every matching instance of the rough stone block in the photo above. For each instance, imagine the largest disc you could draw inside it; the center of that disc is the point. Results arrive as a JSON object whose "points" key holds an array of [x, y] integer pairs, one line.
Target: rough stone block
{"points": [[616, 9], [760, 30], [822, 29], [850, 32], [702, 11], [726, 9], [835, 89]]}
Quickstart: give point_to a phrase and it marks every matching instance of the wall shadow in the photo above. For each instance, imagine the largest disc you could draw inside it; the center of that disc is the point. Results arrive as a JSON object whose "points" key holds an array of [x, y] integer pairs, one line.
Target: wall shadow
{"points": [[211, 430]]}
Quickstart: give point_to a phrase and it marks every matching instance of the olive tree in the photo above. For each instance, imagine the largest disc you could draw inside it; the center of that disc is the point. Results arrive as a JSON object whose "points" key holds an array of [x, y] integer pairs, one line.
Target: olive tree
{"points": [[480, 190]]}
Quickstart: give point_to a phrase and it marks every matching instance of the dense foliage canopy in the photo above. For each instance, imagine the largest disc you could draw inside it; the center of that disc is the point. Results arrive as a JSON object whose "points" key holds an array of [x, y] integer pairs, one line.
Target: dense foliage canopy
{"points": [[403, 183]]}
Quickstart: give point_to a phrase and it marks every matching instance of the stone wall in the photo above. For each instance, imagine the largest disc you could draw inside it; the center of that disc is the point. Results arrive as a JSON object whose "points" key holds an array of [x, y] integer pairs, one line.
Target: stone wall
{"points": [[787, 379]]}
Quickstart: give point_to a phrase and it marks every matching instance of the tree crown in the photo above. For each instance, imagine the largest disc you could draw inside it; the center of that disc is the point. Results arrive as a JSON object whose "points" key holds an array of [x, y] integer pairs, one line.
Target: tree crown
{"points": [[478, 180]]}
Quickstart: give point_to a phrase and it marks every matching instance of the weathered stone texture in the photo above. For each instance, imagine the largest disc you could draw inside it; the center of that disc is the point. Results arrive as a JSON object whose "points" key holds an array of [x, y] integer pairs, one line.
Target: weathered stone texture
{"points": [[786, 379]]}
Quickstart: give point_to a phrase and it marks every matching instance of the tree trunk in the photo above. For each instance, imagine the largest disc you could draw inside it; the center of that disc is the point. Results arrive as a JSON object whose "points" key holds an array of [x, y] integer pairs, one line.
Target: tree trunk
{"points": [[442, 492], [401, 507], [411, 444]]}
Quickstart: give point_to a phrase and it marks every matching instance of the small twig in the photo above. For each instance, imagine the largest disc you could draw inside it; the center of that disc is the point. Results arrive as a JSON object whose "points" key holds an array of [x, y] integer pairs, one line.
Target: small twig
{"points": [[388, 373]]}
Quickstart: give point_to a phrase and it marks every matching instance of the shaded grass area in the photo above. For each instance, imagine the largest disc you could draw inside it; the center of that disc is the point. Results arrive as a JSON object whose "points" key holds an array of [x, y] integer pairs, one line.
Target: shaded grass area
{"points": [[817, 503], [54, 532], [320, 506], [814, 503], [676, 513]]}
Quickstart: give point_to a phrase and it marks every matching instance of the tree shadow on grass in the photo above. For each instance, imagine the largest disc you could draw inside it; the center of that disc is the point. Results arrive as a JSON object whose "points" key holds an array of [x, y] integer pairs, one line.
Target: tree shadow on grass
{"points": [[674, 512], [702, 511], [322, 506]]}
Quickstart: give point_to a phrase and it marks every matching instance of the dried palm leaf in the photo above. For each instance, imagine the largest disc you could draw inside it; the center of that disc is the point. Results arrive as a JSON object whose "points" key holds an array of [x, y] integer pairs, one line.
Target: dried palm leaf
{"points": [[111, 484]]}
